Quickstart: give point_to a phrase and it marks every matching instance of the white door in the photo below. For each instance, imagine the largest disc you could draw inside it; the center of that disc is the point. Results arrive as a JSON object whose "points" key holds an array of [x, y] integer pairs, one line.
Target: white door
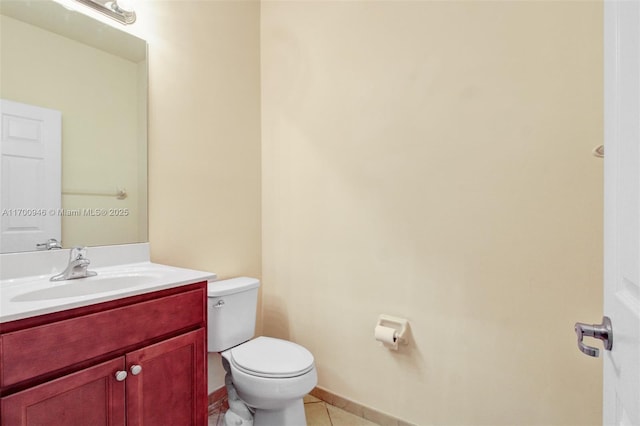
{"points": [[30, 176], [622, 212]]}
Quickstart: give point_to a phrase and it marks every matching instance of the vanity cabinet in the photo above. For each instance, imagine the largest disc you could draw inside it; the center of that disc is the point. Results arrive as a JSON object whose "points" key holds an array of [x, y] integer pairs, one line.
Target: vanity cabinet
{"points": [[134, 361]]}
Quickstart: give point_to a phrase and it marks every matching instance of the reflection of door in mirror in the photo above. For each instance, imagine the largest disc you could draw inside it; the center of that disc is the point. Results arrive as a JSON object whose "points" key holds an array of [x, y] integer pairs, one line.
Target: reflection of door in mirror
{"points": [[30, 176]]}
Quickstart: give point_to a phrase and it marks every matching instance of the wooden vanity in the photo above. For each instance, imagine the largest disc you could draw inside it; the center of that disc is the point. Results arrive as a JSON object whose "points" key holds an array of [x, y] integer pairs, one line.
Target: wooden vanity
{"points": [[139, 360]]}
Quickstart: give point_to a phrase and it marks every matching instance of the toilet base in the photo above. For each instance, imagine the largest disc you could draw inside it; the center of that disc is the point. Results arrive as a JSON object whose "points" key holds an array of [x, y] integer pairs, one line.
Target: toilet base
{"points": [[291, 415]]}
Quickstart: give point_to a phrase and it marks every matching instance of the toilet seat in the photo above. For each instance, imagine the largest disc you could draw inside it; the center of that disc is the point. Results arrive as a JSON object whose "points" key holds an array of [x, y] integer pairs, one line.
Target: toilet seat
{"points": [[271, 358]]}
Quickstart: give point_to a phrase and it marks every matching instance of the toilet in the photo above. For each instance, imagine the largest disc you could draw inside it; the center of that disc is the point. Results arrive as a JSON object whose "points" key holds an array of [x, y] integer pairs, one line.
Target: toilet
{"points": [[266, 377]]}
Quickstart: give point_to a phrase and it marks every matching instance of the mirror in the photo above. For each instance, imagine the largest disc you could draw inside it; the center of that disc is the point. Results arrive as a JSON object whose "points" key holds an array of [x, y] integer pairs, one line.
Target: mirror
{"points": [[95, 77]]}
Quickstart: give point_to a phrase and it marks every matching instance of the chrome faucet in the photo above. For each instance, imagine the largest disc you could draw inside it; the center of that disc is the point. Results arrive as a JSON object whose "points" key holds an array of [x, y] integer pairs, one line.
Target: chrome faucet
{"points": [[77, 267]]}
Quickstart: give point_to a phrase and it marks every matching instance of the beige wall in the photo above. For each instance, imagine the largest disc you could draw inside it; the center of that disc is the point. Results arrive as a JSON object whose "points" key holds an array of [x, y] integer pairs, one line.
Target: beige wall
{"points": [[204, 137], [97, 94], [429, 160], [432, 160]]}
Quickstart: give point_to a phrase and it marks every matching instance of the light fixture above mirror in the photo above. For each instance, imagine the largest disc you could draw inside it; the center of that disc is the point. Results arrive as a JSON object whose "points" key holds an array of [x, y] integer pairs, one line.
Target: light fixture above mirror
{"points": [[120, 10]]}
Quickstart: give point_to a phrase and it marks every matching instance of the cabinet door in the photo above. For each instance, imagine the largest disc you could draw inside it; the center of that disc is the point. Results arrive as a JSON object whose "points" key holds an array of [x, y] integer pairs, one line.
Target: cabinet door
{"points": [[89, 397], [170, 385]]}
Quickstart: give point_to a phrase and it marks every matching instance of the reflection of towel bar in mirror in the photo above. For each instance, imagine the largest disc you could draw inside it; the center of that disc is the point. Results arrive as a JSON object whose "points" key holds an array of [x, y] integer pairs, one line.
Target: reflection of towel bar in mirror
{"points": [[598, 151], [119, 193]]}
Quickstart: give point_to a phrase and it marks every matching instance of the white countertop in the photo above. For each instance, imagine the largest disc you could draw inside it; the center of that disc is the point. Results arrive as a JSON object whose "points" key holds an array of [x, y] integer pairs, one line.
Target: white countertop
{"points": [[19, 297], [28, 296]]}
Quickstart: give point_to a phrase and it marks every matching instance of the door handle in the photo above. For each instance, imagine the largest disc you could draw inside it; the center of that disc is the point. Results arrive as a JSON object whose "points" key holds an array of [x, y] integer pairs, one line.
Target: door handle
{"points": [[602, 332], [50, 244], [121, 375]]}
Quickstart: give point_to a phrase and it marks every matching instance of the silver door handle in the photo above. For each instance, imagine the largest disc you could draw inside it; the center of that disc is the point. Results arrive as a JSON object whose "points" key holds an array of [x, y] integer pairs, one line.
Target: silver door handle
{"points": [[50, 244], [121, 375], [602, 332]]}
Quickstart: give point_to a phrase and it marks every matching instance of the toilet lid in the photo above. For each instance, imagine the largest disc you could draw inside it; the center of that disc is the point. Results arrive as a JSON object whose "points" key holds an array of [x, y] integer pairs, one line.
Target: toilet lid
{"points": [[269, 357]]}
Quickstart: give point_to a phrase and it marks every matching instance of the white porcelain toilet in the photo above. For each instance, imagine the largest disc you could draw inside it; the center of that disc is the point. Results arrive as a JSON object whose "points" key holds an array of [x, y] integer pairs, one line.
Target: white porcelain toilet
{"points": [[270, 376]]}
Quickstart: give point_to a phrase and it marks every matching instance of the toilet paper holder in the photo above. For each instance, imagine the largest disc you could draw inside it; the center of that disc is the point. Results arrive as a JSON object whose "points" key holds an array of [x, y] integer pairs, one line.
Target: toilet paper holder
{"points": [[393, 331]]}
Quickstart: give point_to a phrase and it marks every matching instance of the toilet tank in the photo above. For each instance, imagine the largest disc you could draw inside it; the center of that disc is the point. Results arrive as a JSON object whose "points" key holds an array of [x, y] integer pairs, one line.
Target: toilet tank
{"points": [[231, 308]]}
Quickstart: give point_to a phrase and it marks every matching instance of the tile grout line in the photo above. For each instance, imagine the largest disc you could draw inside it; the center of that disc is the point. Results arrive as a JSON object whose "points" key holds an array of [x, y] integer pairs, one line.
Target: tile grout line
{"points": [[328, 413]]}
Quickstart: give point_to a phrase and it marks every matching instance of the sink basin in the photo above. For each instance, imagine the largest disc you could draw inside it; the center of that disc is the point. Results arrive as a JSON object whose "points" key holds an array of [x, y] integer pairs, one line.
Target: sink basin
{"points": [[25, 296], [86, 286]]}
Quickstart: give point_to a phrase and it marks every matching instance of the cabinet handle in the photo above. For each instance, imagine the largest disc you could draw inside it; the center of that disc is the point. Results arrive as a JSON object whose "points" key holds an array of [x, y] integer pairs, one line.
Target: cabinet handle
{"points": [[136, 369], [121, 375]]}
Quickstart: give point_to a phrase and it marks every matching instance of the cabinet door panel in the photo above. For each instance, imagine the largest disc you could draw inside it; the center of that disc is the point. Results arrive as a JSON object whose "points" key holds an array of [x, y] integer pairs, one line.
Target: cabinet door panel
{"points": [[171, 387], [89, 397], [44, 349]]}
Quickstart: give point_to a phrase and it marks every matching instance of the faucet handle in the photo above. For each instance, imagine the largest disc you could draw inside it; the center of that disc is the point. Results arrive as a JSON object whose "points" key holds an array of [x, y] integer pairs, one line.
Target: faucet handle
{"points": [[78, 253]]}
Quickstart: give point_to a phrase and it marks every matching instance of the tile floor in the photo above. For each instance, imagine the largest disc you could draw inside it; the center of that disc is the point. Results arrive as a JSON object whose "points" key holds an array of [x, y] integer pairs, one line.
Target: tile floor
{"points": [[318, 412]]}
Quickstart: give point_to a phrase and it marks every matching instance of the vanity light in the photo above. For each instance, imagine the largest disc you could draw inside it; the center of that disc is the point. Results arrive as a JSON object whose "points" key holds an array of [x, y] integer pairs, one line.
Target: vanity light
{"points": [[120, 10]]}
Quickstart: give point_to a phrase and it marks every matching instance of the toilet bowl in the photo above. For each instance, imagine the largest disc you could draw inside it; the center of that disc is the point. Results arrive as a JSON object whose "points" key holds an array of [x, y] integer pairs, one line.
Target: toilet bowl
{"points": [[269, 375], [272, 376]]}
